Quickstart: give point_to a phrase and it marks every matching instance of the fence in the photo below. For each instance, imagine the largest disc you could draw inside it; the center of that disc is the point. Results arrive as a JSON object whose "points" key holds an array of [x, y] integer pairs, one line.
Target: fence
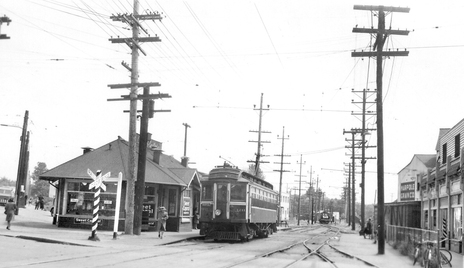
{"points": [[405, 240], [399, 234]]}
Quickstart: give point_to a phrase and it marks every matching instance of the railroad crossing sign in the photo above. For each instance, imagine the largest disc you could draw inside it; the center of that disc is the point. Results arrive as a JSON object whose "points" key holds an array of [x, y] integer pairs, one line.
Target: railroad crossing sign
{"points": [[98, 179], [97, 184]]}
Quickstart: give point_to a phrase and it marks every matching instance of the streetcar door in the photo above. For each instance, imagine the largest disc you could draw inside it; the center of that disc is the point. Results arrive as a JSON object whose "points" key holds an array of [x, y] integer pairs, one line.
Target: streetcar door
{"points": [[221, 201]]}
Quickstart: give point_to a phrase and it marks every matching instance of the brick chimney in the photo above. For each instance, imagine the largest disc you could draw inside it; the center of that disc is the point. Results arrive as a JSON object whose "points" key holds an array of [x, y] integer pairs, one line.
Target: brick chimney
{"points": [[184, 161], [157, 148], [157, 155], [86, 150]]}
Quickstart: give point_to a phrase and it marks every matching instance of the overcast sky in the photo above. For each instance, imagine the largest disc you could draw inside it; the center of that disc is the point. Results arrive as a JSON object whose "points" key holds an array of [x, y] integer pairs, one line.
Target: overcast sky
{"points": [[215, 59]]}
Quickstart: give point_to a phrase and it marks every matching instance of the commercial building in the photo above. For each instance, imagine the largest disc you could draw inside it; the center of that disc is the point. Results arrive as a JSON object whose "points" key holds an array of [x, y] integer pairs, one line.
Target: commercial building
{"points": [[437, 183], [168, 183]]}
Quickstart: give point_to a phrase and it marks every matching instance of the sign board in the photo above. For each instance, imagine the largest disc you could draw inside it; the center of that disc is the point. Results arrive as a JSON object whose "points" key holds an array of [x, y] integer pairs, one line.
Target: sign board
{"points": [[407, 191]]}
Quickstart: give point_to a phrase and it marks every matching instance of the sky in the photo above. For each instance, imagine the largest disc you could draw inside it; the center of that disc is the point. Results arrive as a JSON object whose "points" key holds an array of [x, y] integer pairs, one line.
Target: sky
{"points": [[216, 59]]}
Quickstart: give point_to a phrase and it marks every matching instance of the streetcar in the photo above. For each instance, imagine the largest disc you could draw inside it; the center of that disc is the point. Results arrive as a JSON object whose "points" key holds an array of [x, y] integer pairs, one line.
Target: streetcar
{"points": [[324, 217], [236, 205], [6, 192]]}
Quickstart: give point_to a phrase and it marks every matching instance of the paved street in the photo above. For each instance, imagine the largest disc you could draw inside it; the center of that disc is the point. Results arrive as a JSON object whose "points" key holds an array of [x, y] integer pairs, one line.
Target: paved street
{"points": [[26, 245]]}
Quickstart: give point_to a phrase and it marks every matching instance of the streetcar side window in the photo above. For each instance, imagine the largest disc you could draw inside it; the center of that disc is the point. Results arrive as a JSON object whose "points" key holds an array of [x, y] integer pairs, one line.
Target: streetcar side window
{"points": [[238, 192], [207, 192]]}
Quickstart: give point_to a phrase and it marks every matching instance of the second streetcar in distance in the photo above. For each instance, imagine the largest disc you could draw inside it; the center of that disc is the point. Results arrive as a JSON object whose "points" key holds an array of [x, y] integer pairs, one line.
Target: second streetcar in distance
{"points": [[236, 205]]}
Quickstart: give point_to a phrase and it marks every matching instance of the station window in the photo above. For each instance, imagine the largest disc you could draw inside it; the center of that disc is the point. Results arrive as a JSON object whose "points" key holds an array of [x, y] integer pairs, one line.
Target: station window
{"points": [[80, 199]]}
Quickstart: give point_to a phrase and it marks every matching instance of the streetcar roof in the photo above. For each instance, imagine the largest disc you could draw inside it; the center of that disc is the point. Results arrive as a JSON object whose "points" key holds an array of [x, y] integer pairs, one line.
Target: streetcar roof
{"points": [[237, 174]]}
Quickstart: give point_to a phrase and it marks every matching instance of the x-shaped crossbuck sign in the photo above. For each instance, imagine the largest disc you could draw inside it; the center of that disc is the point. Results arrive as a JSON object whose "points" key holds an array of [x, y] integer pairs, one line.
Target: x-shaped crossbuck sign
{"points": [[98, 179]]}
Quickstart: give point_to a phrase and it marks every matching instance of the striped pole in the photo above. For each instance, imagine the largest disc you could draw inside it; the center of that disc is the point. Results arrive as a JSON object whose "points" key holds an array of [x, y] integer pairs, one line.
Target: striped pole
{"points": [[96, 206], [97, 184]]}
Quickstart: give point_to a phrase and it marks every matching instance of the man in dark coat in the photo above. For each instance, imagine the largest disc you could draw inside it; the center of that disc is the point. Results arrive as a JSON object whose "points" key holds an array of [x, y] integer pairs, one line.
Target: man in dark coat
{"points": [[10, 208]]}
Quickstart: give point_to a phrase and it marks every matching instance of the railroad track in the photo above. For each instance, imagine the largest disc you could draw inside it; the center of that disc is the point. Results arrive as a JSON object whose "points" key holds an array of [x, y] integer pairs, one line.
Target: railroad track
{"points": [[316, 249]]}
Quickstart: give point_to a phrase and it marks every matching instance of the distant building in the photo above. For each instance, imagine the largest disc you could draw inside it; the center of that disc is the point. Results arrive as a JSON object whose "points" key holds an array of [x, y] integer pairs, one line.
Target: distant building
{"points": [[285, 207], [408, 180]]}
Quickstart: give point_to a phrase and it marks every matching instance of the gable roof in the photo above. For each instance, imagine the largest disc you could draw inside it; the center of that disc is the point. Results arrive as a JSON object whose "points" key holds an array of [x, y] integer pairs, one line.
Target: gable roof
{"points": [[113, 157]]}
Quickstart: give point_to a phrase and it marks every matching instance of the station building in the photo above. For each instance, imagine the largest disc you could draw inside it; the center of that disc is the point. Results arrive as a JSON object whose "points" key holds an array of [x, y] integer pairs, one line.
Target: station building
{"points": [[168, 183], [436, 183]]}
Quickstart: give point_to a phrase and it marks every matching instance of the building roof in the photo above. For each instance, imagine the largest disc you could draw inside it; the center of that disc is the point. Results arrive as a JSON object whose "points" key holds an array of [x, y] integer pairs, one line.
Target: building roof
{"points": [[113, 157], [427, 159]]}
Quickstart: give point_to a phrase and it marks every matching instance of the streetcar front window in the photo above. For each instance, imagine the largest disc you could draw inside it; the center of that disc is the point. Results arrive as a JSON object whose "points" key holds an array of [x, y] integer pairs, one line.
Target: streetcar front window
{"points": [[207, 192], [238, 192]]}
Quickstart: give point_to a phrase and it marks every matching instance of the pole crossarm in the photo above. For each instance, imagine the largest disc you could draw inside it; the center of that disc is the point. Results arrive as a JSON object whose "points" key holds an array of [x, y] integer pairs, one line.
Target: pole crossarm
{"points": [[142, 97], [134, 41], [376, 31], [382, 8], [128, 17], [383, 54], [147, 84]]}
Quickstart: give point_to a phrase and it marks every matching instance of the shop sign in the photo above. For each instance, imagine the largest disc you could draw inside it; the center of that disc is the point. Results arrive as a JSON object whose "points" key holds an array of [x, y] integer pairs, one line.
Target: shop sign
{"points": [[186, 207], [407, 191], [84, 221]]}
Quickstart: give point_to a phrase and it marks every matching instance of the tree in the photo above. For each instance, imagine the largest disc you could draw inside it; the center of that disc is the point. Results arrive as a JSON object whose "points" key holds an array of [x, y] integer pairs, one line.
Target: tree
{"points": [[251, 170], [39, 187], [6, 182]]}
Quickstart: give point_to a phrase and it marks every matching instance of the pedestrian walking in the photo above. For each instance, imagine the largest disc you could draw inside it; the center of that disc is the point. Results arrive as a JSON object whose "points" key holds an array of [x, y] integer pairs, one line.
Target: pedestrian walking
{"points": [[368, 229], [10, 209], [196, 218], [162, 218]]}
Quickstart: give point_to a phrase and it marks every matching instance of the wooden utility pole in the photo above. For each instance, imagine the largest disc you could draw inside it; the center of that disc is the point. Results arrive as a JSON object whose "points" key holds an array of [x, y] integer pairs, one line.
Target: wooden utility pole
{"points": [[259, 131], [364, 131], [381, 36], [185, 139], [22, 164], [134, 43], [299, 189], [281, 171], [348, 195]]}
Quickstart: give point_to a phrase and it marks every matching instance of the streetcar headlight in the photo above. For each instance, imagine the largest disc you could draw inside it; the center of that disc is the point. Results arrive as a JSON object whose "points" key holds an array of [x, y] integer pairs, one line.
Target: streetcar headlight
{"points": [[217, 212]]}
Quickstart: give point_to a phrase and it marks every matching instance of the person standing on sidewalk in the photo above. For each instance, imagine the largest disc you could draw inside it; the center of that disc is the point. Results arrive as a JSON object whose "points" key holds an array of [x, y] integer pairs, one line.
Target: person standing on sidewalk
{"points": [[10, 208], [162, 218]]}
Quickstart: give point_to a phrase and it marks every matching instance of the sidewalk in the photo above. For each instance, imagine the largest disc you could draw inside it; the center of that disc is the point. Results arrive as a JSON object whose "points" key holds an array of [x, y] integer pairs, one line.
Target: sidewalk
{"points": [[37, 225], [354, 244]]}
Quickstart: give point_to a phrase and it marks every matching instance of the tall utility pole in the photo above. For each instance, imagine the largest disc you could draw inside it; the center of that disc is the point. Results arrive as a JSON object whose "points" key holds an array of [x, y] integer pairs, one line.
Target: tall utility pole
{"points": [[348, 195], [311, 192], [22, 165], [299, 189], [134, 43], [364, 131], [185, 139], [381, 36], [148, 110], [259, 131], [6, 20], [281, 171]]}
